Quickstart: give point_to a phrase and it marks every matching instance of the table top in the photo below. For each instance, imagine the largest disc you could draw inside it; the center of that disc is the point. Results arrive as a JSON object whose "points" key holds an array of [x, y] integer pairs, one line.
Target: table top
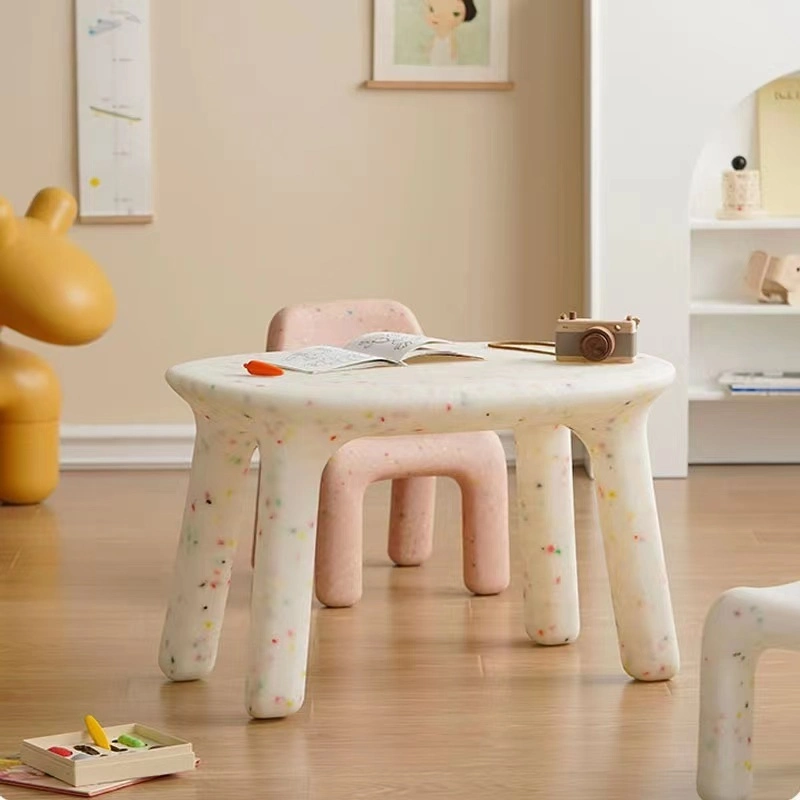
{"points": [[504, 384]]}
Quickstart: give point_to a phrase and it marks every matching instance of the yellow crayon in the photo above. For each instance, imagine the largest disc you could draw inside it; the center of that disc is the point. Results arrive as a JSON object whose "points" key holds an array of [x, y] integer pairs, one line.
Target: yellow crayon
{"points": [[96, 732]]}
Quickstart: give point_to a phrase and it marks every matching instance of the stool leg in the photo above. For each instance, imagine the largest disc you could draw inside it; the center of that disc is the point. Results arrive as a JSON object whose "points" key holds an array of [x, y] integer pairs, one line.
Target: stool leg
{"points": [[411, 520], [205, 553], [339, 553], [283, 577], [632, 539], [727, 678], [546, 522]]}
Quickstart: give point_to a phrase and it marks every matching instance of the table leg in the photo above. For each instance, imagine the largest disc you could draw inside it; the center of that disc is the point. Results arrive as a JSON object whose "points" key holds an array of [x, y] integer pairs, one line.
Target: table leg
{"points": [[205, 554], [546, 522], [632, 539], [283, 577]]}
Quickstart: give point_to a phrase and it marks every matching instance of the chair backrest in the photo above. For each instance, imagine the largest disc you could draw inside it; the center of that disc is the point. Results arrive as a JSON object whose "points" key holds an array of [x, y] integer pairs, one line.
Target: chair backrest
{"points": [[337, 322]]}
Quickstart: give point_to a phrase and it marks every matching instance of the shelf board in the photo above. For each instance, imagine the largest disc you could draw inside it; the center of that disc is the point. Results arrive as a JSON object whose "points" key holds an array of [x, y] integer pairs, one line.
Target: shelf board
{"points": [[759, 224], [705, 393], [740, 307], [710, 392]]}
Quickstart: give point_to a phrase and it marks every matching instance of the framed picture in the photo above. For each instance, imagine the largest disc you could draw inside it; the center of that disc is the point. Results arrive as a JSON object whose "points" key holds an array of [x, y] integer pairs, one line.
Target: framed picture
{"points": [[445, 42]]}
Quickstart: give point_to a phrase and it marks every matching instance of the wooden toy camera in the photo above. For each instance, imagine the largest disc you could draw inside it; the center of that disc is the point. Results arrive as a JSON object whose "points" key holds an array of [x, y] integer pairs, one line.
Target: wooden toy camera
{"points": [[595, 340]]}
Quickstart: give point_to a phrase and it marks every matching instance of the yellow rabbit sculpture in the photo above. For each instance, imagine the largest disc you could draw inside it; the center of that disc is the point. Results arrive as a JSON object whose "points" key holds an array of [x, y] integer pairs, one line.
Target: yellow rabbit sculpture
{"points": [[53, 291]]}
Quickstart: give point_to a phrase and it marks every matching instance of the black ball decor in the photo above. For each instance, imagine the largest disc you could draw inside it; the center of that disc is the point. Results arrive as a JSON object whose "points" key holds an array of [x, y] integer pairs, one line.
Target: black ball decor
{"points": [[739, 163]]}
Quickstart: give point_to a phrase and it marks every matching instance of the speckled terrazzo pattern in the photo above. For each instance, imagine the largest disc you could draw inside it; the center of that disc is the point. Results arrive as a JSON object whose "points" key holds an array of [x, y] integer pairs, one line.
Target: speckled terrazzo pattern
{"points": [[545, 507], [637, 571], [299, 421], [205, 552], [740, 625]]}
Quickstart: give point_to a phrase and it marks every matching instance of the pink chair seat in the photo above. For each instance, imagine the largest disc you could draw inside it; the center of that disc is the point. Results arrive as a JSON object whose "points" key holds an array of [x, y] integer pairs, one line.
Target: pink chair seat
{"points": [[475, 460]]}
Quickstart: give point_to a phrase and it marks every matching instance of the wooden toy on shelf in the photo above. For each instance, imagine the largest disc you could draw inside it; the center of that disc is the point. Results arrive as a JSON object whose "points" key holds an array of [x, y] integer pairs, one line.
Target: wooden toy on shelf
{"points": [[741, 192], [53, 291], [774, 279]]}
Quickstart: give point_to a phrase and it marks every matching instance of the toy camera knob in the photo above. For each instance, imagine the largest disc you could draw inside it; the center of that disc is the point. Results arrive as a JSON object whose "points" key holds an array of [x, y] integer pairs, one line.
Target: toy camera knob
{"points": [[739, 163], [597, 344]]}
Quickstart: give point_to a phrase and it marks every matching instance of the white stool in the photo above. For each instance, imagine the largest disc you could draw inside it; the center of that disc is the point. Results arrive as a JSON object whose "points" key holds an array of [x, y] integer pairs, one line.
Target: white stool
{"points": [[739, 627]]}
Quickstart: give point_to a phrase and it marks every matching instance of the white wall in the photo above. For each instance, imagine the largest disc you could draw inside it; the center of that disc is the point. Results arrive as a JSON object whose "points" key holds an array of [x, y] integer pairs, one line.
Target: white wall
{"points": [[278, 179], [663, 76]]}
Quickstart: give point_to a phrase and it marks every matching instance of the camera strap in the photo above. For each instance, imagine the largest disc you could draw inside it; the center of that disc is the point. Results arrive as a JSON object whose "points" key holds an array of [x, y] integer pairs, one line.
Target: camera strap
{"points": [[525, 347]]}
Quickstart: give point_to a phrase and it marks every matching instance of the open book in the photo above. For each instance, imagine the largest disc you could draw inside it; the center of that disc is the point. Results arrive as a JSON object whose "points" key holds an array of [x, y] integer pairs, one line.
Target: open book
{"points": [[371, 349]]}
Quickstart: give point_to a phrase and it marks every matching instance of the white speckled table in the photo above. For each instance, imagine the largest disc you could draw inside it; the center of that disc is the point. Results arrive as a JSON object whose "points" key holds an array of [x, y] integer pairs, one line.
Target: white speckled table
{"points": [[297, 421]]}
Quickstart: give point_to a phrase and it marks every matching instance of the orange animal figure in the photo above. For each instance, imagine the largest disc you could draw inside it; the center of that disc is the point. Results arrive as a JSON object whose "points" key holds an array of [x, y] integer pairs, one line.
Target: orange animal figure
{"points": [[53, 291]]}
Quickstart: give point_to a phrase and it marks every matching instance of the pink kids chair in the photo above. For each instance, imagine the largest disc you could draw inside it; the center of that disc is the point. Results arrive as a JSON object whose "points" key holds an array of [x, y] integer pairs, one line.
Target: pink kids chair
{"points": [[475, 460]]}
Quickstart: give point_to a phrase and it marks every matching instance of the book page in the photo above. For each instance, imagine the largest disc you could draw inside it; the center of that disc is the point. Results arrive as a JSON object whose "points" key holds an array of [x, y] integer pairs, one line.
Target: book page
{"points": [[429, 355], [321, 358], [390, 345]]}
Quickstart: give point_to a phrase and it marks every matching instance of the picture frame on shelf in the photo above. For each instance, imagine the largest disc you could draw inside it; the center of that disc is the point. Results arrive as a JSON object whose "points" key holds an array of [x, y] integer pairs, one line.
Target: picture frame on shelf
{"points": [[440, 44]]}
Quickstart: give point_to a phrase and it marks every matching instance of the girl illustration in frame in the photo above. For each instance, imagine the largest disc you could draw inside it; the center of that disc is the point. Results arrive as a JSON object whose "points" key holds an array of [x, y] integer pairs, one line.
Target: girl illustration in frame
{"points": [[445, 17]]}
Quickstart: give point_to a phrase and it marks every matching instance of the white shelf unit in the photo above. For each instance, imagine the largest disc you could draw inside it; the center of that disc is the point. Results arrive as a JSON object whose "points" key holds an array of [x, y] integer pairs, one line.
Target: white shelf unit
{"points": [[703, 393], [729, 330], [653, 246]]}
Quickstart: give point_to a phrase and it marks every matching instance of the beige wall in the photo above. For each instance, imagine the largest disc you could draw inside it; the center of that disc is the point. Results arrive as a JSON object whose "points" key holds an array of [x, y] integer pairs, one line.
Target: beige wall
{"points": [[279, 180]]}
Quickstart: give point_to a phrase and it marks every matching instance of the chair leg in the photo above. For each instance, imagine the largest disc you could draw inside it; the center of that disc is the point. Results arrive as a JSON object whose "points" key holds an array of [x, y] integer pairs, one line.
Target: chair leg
{"points": [[484, 501], [411, 520], [340, 520]]}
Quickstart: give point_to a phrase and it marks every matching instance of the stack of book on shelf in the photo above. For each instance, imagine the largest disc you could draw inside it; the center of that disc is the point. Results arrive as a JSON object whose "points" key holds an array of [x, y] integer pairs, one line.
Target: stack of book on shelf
{"points": [[748, 384]]}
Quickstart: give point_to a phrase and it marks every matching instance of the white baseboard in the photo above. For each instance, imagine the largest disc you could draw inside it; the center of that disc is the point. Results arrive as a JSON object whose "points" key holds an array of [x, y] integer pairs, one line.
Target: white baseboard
{"points": [[126, 446], [161, 447]]}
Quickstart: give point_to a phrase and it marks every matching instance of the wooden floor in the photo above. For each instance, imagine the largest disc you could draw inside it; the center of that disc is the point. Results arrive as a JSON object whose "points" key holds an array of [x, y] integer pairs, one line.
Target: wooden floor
{"points": [[418, 692]]}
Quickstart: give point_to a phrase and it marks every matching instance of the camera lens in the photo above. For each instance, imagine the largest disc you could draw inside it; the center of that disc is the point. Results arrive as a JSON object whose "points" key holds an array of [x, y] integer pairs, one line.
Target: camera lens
{"points": [[597, 344]]}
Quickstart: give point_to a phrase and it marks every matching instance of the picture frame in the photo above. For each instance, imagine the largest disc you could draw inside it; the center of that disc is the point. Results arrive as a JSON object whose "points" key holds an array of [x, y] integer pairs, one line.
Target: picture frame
{"points": [[459, 44]]}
